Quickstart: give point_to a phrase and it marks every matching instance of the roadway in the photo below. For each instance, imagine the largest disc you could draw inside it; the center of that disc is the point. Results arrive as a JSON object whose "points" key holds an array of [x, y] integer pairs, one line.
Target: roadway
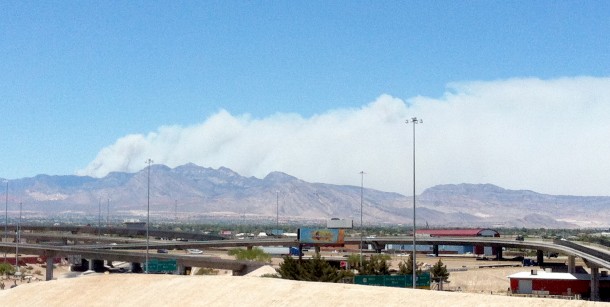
{"points": [[592, 257]]}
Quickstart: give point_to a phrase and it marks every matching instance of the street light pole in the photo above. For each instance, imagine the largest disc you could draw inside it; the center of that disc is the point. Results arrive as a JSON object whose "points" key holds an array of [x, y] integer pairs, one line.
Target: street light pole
{"points": [[108, 213], [361, 201], [277, 212], [6, 219], [99, 217], [18, 239], [414, 121], [149, 161]]}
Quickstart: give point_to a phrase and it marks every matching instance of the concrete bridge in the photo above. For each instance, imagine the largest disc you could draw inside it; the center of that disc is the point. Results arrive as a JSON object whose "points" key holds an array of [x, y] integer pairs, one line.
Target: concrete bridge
{"points": [[126, 249], [93, 254]]}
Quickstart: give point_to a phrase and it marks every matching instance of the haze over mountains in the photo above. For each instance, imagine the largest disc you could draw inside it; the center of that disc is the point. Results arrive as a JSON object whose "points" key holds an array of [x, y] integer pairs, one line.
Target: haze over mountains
{"points": [[222, 194]]}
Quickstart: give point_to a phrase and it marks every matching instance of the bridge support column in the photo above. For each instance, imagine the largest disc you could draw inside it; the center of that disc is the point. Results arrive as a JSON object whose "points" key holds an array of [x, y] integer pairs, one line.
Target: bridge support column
{"points": [[98, 265], [49, 272], [317, 248], [378, 246], [594, 284], [136, 267], [540, 257], [90, 264], [179, 269], [435, 250], [572, 264], [498, 253]]}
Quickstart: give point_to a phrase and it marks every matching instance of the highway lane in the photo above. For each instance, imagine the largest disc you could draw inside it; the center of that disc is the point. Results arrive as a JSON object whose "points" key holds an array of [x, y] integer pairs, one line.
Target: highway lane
{"points": [[597, 258], [132, 256], [122, 231]]}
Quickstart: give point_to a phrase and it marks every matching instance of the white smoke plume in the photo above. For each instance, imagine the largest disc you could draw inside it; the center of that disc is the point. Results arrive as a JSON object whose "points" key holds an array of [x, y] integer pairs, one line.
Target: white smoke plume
{"points": [[549, 136]]}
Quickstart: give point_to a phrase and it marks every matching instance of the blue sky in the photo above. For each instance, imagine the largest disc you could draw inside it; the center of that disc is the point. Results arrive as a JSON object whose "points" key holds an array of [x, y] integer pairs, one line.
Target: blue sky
{"points": [[81, 79]]}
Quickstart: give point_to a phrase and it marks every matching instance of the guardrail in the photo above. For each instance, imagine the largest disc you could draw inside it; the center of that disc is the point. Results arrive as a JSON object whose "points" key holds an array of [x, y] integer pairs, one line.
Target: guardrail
{"points": [[584, 249]]}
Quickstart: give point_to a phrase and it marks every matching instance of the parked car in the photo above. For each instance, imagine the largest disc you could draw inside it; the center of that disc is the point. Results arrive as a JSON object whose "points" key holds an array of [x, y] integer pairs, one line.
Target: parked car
{"points": [[194, 251], [162, 251]]}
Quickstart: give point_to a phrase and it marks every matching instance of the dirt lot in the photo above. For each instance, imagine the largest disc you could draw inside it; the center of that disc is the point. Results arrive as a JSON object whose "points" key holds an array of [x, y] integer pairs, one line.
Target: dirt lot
{"points": [[476, 281]]}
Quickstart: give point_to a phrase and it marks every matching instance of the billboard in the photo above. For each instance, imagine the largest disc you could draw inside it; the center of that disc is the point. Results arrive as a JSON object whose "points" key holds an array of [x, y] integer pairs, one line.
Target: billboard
{"points": [[323, 236]]}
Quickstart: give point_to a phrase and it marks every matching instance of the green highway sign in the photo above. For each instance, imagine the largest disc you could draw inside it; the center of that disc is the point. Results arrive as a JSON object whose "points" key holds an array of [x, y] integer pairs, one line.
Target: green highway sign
{"points": [[162, 265], [401, 281]]}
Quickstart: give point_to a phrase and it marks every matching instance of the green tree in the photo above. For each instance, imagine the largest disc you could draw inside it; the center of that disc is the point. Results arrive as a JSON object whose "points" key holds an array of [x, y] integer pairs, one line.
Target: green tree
{"points": [[439, 272], [290, 269], [314, 269], [254, 254], [406, 268], [375, 265]]}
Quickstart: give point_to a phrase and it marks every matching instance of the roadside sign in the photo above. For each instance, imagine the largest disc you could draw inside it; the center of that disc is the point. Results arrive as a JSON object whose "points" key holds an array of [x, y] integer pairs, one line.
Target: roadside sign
{"points": [[162, 265], [371, 280], [401, 281]]}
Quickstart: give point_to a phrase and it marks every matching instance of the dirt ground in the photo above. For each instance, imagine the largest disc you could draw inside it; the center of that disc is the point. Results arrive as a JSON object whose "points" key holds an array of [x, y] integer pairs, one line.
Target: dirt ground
{"points": [[174, 290], [472, 282]]}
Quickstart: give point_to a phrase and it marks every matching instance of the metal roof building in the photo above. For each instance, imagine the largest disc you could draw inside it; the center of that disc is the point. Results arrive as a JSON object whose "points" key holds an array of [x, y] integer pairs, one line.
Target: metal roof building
{"points": [[551, 283]]}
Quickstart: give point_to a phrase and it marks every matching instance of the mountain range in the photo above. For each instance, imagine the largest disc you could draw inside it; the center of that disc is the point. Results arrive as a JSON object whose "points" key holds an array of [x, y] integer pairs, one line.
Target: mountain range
{"points": [[195, 192]]}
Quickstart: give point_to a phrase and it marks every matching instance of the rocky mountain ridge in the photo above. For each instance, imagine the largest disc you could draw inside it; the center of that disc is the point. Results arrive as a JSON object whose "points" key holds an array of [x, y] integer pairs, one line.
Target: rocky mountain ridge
{"points": [[222, 194]]}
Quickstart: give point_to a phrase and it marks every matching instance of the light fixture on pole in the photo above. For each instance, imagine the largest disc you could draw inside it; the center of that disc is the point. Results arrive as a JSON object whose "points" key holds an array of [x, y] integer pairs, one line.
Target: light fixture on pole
{"points": [[149, 162], [414, 121], [361, 201]]}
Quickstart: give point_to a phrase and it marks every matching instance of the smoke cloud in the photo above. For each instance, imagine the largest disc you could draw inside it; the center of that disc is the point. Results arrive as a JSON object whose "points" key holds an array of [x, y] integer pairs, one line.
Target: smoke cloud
{"points": [[550, 136]]}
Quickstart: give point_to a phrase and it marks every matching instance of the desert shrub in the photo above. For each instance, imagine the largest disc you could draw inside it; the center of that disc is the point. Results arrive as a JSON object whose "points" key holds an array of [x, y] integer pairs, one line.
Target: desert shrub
{"points": [[206, 271], [254, 254], [6, 268]]}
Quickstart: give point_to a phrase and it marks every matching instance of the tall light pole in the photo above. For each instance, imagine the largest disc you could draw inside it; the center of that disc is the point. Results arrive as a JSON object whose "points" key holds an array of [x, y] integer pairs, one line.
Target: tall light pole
{"points": [[414, 121], [6, 219], [149, 162], [99, 217], [361, 201], [108, 213], [18, 239], [277, 212]]}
